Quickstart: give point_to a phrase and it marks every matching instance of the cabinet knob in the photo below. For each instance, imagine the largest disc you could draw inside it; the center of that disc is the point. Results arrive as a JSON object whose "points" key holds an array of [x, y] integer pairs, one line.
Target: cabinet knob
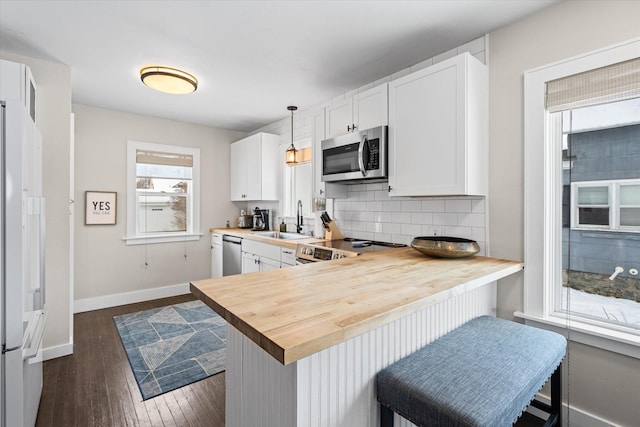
{"points": [[321, 191]]}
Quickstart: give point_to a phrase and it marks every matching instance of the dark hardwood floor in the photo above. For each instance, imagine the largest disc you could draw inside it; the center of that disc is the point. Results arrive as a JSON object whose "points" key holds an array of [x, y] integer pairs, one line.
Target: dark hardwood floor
{"points": [[95, 386]]}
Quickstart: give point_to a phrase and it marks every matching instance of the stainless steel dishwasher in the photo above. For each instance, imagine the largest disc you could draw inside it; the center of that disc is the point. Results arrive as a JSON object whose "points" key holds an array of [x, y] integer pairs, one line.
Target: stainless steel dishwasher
{"points": [[231, 255]]}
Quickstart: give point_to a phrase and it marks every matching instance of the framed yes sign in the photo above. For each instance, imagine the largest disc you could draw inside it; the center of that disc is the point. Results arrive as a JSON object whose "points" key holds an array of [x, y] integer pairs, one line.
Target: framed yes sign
{"points": [[100, 207]]}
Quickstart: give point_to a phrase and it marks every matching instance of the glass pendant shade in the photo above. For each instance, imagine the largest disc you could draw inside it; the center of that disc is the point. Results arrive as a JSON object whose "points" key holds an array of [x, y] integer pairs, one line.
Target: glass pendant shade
{"points": [[291, 154]]}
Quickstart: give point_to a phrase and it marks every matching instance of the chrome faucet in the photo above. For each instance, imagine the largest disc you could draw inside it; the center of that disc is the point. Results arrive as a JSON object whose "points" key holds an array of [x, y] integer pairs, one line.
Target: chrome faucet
{"points": [[299, 218]]}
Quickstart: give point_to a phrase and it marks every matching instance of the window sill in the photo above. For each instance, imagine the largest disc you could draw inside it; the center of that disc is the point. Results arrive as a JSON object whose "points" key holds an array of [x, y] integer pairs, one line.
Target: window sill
{"points": [[585, 333], [145, 240]]}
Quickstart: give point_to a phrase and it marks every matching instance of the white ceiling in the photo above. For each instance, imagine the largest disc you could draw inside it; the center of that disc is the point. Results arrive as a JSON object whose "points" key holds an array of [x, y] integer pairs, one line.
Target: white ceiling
{"points": [[252, 58]]}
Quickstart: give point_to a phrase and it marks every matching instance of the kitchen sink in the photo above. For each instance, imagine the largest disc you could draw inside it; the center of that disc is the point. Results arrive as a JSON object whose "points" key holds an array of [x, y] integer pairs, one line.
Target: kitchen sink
{"points": [[281, 235]]}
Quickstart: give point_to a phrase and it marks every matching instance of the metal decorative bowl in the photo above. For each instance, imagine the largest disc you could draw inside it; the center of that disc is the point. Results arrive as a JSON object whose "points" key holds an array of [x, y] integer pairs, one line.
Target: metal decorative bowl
{"points": [[445, 247]]}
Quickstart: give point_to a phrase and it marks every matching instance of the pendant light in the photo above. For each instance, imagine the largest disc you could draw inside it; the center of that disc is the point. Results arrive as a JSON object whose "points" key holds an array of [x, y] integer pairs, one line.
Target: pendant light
{"points": [[290, 156]]}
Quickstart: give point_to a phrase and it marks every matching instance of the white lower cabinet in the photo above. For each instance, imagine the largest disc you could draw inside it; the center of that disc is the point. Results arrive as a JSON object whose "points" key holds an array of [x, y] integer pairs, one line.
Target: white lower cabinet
{"points": [[287, 257], [259, 256], [250, 263], [269, 264], [216, 255]]}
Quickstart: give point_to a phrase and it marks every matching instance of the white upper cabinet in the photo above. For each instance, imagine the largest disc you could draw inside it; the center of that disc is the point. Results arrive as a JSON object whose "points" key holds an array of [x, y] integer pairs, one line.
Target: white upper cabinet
{"points": [[438, 130], [321, 189], [254, 168], [364, 110]]}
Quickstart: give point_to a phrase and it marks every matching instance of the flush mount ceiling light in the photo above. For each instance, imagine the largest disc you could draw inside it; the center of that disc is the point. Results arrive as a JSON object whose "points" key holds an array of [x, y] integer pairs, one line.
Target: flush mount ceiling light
{"points": [[290, 156], [168, 80]]}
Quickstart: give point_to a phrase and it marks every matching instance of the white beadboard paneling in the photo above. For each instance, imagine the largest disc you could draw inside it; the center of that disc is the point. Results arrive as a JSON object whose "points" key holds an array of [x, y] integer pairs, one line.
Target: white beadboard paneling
{"points": [[344, 375]]}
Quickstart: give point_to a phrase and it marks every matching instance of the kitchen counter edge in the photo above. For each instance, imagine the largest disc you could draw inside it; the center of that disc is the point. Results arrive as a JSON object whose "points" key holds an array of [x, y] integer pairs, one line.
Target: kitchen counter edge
{"points": [[247, 233]]}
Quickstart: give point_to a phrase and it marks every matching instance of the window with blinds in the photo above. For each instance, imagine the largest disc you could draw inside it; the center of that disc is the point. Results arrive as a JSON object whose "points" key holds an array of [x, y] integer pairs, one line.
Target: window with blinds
{"points": [[616, 82], [582, 197], [163, 190]]}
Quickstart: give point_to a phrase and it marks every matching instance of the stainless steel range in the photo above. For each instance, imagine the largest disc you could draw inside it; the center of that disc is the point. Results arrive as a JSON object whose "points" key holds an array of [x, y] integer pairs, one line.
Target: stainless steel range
{"points": [[337, 249]]}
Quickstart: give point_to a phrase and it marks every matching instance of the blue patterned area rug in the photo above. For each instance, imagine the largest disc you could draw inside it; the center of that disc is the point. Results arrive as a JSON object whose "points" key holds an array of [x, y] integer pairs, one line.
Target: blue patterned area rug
{"points": [[170, 347]]}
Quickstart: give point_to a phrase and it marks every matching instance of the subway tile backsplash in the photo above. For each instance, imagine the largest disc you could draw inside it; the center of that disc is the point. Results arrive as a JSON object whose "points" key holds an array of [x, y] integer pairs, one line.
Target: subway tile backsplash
{"points": [[369, 213]]}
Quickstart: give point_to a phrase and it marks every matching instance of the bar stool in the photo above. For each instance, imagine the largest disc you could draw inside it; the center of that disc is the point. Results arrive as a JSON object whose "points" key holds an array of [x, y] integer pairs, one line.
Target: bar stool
{"points": [[484, 374]]}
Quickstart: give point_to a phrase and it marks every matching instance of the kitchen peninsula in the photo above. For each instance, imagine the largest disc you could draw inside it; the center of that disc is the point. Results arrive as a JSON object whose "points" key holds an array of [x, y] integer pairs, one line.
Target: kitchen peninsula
{"points": [[304, 344]]}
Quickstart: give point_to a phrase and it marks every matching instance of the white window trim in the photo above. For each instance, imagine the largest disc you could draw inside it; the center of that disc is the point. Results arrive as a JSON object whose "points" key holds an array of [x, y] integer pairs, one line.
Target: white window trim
{"points": [[614, 206], [543, 205], [132, 238]]}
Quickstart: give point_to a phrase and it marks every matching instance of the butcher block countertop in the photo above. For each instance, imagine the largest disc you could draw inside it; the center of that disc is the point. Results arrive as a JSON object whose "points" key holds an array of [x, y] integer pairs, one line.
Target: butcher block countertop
{"points": [[297, 311]]}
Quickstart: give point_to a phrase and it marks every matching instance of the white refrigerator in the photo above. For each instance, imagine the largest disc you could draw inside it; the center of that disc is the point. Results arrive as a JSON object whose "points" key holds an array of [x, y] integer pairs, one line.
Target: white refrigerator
{"points": [[22, 311]]}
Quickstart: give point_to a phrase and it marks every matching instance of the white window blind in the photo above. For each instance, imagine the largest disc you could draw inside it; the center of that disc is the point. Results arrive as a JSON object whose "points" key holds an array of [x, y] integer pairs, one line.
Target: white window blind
{"points": [[616, 82]]}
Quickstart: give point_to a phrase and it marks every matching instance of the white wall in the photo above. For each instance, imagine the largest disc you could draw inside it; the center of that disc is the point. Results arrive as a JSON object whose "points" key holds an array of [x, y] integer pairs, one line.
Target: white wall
{"points": [[53, 109], [104, 264], [599, 382]]}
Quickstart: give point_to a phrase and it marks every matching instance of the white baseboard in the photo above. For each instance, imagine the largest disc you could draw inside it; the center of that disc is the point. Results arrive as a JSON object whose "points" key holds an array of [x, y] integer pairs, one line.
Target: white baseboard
{"points": [[106, 301], [57, 351], [574, 416]]}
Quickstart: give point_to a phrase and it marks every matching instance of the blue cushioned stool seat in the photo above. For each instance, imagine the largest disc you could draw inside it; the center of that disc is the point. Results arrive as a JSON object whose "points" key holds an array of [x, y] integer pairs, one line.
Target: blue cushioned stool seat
{"points": [[484, 373]]}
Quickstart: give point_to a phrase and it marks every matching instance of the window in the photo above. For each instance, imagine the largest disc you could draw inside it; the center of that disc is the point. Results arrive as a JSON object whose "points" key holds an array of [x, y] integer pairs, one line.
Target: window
{"points": [[582, 200], [297, 182], [163, 192], [606, 205]]}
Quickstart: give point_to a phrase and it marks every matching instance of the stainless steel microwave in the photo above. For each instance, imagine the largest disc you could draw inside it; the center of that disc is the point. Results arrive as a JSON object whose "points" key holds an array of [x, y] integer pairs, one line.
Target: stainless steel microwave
{"points": [[356, 157]]}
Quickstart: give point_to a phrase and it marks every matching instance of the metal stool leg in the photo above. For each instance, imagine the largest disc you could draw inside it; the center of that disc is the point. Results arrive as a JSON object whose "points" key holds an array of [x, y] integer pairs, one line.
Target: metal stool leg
{"points": [[556, 394], [386, 416]]}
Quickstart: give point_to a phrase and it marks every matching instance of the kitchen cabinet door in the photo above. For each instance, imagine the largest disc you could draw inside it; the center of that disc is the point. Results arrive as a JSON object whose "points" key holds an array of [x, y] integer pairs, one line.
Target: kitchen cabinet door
{"points": [[362, 111], [322, 190], [371, 108], [254, 168], [438, 130], [250, 263], [216, 255], [339, 118], [238, 167], [267, 264]]}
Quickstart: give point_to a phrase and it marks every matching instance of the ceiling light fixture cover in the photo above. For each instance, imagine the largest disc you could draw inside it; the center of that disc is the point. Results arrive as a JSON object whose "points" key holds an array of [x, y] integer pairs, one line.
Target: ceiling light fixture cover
{"points": [[168, 80], [290, 155]]}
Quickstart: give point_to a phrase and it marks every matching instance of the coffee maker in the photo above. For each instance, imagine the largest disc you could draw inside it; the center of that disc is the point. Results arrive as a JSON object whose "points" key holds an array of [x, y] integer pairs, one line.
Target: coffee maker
{"points": [[260, 219]]}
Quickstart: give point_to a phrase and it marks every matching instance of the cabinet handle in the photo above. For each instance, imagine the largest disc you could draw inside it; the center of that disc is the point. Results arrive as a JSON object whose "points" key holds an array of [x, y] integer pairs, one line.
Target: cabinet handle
{"points": [[389, 190], [321, 191], [352, 128]]}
